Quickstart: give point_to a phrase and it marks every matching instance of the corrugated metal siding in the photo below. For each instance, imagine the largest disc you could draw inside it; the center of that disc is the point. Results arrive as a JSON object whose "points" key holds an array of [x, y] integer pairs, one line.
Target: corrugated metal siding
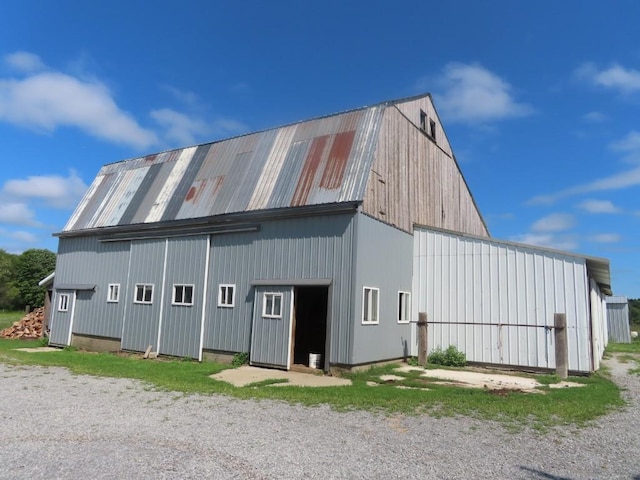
{"points": [[618, 319], [384, 261], [85, 260], [265, 170], [142, 320], [494, 300], [270, 337], [303, 248], [414, 181], [181, 325]]}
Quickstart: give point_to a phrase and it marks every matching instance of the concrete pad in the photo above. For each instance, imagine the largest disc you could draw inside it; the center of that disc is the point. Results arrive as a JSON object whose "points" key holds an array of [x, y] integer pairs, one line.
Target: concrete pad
{"points": [[38, 349], [566, 385], [245, 375], [391, 378], [478, 379]]}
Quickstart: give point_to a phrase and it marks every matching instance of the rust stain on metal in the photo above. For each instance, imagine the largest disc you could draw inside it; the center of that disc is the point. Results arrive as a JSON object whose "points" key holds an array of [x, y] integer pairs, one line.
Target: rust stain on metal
{"points": [[190, 194], [150, 158], [337, 162], [218, 183], [311, 165]]}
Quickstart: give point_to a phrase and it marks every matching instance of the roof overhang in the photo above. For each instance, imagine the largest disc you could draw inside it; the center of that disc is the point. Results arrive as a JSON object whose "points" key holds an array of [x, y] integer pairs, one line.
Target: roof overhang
{"points": [[48, 280]]}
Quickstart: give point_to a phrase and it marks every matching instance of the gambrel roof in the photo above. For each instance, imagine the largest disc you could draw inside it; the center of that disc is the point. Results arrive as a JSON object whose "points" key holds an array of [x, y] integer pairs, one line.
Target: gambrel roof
{"points": [[314, 163]]}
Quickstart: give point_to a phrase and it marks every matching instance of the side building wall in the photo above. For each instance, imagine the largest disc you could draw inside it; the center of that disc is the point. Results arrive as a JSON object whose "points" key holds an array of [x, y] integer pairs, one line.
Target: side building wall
{"points": [[496, 301]]}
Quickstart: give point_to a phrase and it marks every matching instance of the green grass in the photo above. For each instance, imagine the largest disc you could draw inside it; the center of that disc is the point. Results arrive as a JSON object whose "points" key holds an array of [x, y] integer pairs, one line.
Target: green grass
{"points": [[7, 318], [554, 407], [633, 347]]}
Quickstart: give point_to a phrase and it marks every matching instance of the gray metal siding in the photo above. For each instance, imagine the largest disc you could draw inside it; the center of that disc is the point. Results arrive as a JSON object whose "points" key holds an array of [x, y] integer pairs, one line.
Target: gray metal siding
{"points": [[270, 337], [181, 324], [316, 247], [142, 320], [618, 319], [86, 260], [495, 301], [384, 261]]}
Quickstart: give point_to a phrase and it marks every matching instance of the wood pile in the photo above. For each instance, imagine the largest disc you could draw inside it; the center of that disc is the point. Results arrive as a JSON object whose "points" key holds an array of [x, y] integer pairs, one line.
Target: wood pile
{"points": [[28, 328]]}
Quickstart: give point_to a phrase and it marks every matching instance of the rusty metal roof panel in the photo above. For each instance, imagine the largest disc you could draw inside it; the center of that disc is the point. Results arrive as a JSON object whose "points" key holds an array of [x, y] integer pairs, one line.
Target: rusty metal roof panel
{"points": [[324, 160]]}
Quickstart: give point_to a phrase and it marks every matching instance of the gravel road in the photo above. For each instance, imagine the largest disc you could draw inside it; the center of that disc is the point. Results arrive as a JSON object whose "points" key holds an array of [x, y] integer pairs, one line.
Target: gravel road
{"points": [[57, 425]]}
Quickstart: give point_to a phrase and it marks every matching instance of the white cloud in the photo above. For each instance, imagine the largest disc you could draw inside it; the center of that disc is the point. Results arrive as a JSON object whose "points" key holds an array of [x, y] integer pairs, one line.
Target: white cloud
{"points": [[17, 213], [555, 222], [598, 206], [47, 100], [618, 181], [23, 237], [564, 242], [184, 96], [605, 238], [594, 117], [474, 94], [24, 61], [616, 77], [57, 191], [629, 146], [186, 130]]}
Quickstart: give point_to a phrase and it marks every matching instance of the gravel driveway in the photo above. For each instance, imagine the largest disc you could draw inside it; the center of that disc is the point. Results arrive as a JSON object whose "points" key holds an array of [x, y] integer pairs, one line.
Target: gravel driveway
{"points": [[57, 425]]}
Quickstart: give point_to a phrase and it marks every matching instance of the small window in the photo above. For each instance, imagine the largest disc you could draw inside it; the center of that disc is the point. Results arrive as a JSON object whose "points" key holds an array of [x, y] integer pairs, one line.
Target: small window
{"points": [[144, 293], [226, 295], [183, 295], [113, 293], [404, 307], [423, 120], [432, 129], [272, 305], [63, 302], [370, 305]]}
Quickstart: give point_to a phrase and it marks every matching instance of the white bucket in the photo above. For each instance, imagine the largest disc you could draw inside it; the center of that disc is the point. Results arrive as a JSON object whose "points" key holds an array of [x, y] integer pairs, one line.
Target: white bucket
{"points": [[314, 360]]}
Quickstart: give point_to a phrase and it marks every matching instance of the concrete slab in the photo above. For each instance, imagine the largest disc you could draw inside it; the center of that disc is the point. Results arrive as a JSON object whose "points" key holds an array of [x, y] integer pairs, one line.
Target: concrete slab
{"points": [[38, 349], [245, 375], [478, 379]]}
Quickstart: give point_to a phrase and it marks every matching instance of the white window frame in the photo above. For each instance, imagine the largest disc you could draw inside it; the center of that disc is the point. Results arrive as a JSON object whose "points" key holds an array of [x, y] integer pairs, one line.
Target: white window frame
{"points": [[145, 287], [404, 306], [184, 287], [223, 295], [113, 287], [368, 306], [63, 302], [272, 313]]}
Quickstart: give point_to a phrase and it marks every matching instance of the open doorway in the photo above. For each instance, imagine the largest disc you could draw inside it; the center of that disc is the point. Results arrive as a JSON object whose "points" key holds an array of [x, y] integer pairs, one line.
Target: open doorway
{"points": [[310, 324]]}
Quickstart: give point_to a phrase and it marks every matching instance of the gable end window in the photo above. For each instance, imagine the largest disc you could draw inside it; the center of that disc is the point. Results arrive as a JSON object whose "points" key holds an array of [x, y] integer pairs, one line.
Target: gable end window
{"points": [[423, 121], [370, 305], [183, 295], [272, 305], [432, 129], [404, 307], [226, 295], [143, 293], [113, 293], [63, 302]]}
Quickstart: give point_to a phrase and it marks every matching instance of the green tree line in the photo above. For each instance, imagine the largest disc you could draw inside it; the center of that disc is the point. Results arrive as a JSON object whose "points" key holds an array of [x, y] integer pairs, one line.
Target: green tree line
{"points": [[634, 310], [19, 277]]}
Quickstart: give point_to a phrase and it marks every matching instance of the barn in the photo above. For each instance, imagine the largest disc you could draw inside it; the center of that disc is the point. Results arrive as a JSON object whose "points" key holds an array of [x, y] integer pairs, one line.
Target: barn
{"points": [[287, 243]]}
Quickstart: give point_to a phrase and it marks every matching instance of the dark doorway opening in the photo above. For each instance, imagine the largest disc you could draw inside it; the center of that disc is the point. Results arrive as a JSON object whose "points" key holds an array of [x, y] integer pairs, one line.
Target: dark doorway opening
{"points": [[310, 324]]}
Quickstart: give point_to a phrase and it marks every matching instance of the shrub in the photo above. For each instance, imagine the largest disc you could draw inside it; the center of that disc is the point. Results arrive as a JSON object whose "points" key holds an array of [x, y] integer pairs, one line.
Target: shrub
{"points": [[451, 357], [240, 359]]}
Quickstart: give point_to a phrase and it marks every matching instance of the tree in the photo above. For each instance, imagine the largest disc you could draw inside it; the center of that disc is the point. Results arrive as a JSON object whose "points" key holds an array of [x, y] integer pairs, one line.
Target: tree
{"points": [[634, 310], [32, 266], [8, 290]]}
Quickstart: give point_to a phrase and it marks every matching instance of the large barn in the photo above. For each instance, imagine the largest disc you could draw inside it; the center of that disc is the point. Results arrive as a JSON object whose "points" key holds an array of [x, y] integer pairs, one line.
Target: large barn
{"points": [[303, 239]]}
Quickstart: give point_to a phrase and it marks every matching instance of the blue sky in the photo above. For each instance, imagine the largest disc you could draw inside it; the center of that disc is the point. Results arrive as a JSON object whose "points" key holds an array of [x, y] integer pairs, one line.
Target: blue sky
{"points": [[539, 100]]}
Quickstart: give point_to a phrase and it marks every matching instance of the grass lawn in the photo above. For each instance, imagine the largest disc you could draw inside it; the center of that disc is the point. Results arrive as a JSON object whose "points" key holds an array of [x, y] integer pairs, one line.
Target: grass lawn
{"points": [[7, 318], [514, 409]]}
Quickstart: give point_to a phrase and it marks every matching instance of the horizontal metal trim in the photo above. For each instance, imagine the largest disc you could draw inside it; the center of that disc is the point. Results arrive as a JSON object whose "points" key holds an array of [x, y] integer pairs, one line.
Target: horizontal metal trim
{"points": [[75, 286], [190, 232], [482, 324], [294, 282]]}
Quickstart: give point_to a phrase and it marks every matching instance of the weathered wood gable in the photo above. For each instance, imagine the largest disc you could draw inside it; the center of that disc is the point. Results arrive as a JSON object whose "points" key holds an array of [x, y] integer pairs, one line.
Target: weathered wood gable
{"points": [[415, 178]]}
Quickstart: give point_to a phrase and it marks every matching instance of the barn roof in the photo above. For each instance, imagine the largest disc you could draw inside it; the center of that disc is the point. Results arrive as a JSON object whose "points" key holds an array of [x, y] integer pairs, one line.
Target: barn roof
{"points": [[323, 161]]}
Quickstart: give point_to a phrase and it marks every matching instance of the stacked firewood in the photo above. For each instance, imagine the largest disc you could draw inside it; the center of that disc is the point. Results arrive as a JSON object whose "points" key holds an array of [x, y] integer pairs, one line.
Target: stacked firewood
{"points": [[29, 327]]}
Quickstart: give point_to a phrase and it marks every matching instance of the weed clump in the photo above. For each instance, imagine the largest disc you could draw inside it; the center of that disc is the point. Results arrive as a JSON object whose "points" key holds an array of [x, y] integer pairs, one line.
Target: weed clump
{"points": [[451, 357]]}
